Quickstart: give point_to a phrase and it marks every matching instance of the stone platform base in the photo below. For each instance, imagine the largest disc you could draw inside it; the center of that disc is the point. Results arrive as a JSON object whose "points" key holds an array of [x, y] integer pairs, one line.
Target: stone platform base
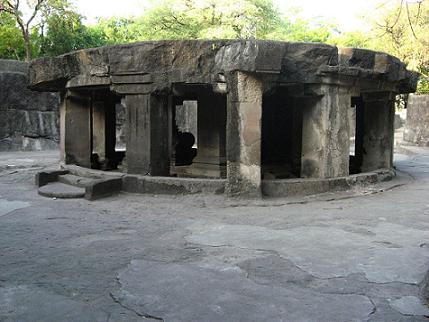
{"points": [[61, 191], [302, 187], [173, 185], [199, 170]]}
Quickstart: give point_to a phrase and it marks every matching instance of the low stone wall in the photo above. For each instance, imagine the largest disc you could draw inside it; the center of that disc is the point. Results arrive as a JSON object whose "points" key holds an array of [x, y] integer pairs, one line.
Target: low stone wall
{"points": [[417, 124], [28, 120]]}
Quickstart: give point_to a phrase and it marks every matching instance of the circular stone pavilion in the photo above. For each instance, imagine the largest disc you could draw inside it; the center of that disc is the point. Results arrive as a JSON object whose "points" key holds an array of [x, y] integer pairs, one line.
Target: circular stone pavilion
{"points": [[271, 117]]}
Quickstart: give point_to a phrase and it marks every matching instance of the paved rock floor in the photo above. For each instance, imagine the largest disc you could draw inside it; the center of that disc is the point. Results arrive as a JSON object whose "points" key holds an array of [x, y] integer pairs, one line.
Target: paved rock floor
{"points": [[360, 255]]}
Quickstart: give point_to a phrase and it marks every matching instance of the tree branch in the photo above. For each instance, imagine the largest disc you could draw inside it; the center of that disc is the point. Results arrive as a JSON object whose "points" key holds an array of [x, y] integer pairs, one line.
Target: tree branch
{"points": [[36, 10], [410, 23]]}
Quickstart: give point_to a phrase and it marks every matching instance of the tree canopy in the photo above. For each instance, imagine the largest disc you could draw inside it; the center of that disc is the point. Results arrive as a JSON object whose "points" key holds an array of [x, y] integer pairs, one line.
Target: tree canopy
{"points": [[403, 31], [37, 28]]}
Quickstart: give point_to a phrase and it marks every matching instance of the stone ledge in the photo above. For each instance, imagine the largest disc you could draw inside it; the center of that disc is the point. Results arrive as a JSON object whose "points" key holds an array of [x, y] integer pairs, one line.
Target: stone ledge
{"points": [[302, 187], [172, 185]]}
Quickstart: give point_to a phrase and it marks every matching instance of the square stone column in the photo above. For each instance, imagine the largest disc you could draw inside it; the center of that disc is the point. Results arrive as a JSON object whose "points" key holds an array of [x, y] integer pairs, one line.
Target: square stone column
{"points": [[377, 131], [244, 116], [104, 126], [75, 129], [211, 159], [148, 134], [325, 133]]}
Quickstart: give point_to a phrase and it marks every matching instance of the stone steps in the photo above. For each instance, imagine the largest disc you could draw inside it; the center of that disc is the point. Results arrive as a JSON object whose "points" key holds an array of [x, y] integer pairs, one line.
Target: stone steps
{"points": [[74, 180], [81, 183], [61, 191]]}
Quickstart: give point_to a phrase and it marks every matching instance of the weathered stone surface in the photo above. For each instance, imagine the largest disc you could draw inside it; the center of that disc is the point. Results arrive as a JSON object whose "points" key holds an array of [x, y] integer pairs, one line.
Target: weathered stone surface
{"points": [[28, 120], [158, 64], [7, 206], [417, 124], [378, 132], [244, 135], [236, 84], [75, 124], [31, 303], [410, 305], [71, 252], [325, 143], [148, 134], [61, 190], [45, 177], [321, 258], [168, 291]]}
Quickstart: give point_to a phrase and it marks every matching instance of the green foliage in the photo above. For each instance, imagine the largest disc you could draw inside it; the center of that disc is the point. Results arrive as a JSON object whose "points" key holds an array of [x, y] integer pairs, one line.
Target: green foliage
{"points": [[66, 33], [290, 28], [61, 30], [118, 30], [354, 39], [190, 19], [423, 85], [214, 19], [403, 31], [11, 42]]}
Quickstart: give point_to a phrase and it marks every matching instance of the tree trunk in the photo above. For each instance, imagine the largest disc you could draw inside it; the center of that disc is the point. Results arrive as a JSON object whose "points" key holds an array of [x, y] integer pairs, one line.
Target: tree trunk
{"points": [[27, 46]]}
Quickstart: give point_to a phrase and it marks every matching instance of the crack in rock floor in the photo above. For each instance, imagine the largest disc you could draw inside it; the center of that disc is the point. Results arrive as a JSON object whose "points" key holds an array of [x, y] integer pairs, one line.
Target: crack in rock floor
{"points": [[131, 257], [187, 292], [316, 250]]}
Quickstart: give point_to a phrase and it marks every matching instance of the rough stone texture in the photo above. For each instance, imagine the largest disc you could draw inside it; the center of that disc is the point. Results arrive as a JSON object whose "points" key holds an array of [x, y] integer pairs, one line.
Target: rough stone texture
{"points": [[36, 304], [321, 259], [28, 120], [147, 257], [325, 142], [103, 188], [237, 78], [147, 134], [417, 123], [61, 190], [74, 180], [211, 118], [244, 135], [378, 132], [163, 185], [410, 305], [154, 66], [75, 124], [120, 125], [227, 295], [302, 187], [45, 177], [104, 128]]}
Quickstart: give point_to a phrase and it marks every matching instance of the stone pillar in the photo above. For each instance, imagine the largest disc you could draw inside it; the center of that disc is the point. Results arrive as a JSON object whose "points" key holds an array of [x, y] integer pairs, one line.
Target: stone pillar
{"points": [[104, 126], [75, 129], [417, 124], [211, 160], [297, 137], [148, 150], [377, 137], [244, 113], [325, 133]]}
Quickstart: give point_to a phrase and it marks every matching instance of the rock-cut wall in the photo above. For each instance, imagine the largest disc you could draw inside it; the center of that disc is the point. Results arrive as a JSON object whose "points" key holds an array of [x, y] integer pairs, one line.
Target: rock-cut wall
{"points": [[28, 120], [417, 124]]}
